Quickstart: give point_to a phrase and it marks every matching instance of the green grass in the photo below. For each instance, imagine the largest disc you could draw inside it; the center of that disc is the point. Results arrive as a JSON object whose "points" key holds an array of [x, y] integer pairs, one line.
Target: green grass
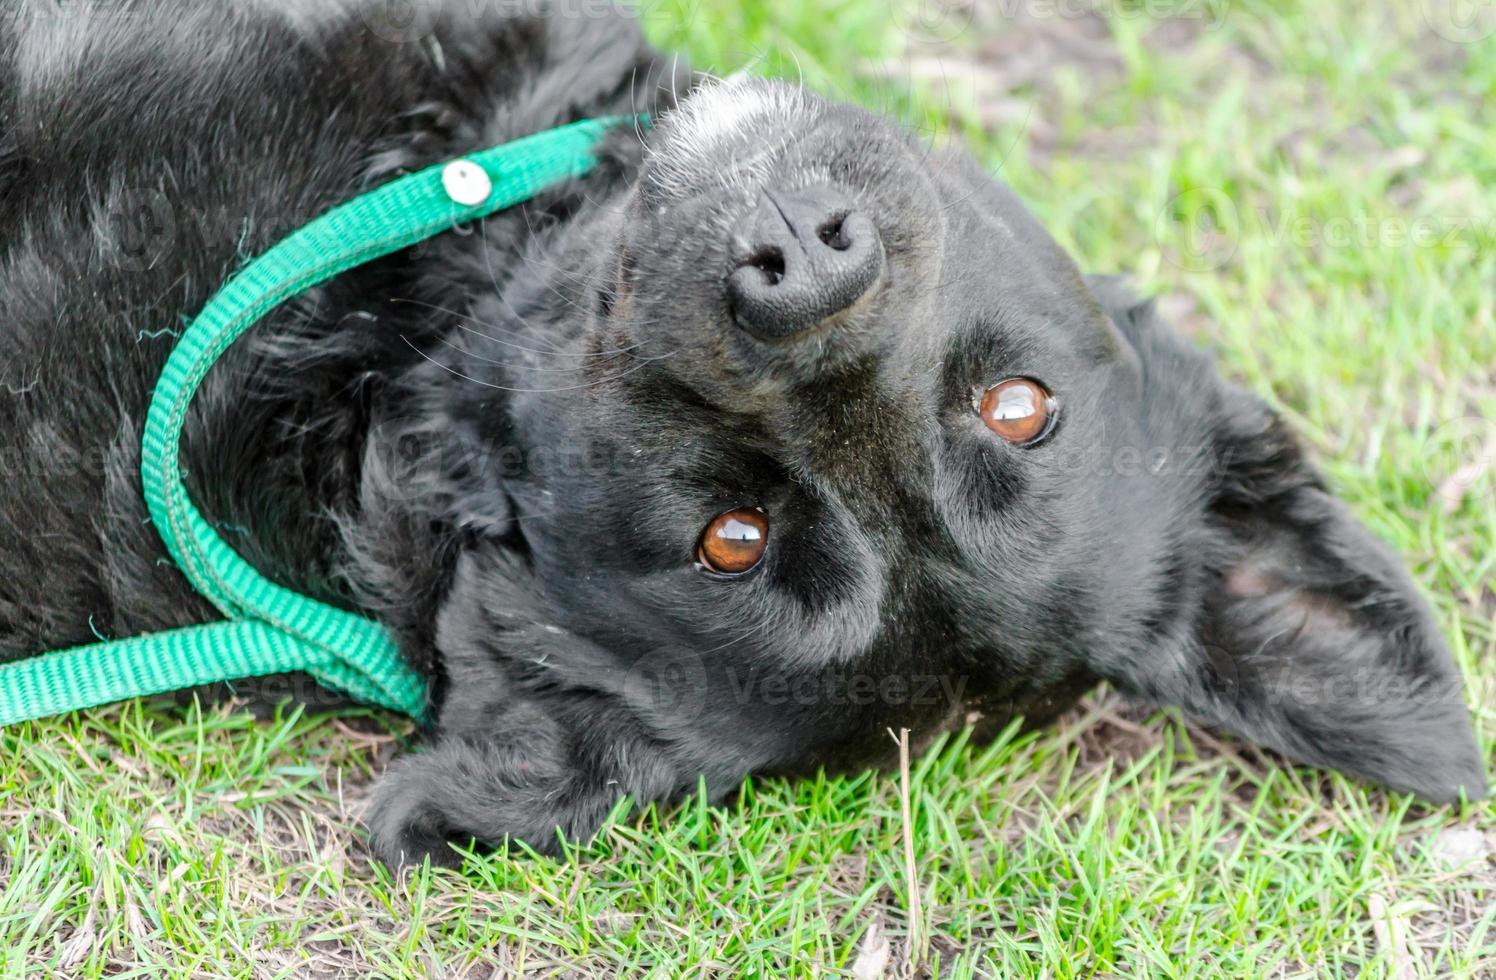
{"points": [[1217, 163]]}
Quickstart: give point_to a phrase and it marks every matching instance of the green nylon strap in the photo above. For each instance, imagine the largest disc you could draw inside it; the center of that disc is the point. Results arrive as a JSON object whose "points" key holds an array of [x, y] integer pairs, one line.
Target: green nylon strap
{"points": [[270, 629]]}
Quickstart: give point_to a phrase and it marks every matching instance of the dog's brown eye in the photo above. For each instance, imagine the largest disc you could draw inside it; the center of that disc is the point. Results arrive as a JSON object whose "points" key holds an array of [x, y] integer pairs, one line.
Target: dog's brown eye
{"points": [[734, 541], [1019, 410]]}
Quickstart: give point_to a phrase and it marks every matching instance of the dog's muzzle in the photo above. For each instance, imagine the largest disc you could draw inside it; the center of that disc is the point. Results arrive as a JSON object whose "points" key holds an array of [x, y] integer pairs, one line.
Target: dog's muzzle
{"points": [[801, 258]]}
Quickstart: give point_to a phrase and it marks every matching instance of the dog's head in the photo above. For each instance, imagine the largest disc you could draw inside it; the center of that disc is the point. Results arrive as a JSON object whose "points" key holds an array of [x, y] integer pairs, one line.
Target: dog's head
{"points": [[812, 407]]}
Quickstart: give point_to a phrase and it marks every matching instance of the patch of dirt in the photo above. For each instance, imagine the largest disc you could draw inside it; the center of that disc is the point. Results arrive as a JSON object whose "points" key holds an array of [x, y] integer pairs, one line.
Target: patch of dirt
{"points": [[1464, 897], [1003, 62]]}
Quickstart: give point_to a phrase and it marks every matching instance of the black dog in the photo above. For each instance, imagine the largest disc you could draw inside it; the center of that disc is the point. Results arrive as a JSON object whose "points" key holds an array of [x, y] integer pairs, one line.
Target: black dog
{"points": [[777, 431]]}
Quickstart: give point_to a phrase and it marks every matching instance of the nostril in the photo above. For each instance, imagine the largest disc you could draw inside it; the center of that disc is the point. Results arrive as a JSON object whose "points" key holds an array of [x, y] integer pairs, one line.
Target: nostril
{"points": [[769, 261], [800, 258], [833, 233]]}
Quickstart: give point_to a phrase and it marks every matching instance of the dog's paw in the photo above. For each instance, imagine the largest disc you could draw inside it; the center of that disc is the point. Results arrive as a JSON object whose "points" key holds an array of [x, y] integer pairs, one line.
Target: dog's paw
{"points": [[408, 823], [521, 782]]}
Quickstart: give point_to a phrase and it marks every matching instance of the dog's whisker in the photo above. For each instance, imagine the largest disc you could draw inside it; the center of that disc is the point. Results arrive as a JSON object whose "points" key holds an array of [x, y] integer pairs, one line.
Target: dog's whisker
{"points": [[526, 259], [526, 334], [635, 123], [643, 363], [582, 280], [529, 369], [507, 343], [578, 355]]}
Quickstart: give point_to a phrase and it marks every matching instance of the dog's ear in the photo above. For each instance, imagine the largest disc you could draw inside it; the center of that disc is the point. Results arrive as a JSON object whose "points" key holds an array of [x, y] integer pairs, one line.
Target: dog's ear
{"points": [[1298, 628]]}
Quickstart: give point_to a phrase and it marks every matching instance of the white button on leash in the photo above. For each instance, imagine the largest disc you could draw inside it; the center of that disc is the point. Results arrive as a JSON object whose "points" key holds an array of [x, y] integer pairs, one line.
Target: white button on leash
{"points": [[466, 183]]}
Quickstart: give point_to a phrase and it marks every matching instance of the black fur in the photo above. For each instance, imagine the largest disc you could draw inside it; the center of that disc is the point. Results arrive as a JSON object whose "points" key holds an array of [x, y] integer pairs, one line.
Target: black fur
{"points": [[505, 442]]}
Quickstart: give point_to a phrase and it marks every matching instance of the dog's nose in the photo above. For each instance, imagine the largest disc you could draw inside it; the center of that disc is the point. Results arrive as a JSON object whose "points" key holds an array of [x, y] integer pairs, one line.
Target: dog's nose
{"points": [[801, 257]]}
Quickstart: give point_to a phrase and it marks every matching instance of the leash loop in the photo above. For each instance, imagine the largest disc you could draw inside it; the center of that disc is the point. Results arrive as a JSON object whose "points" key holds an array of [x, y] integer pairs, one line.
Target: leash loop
{"points": [[269, 629]]}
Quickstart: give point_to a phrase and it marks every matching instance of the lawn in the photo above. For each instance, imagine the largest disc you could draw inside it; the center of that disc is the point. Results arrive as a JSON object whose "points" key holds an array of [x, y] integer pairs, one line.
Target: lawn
{"points": [[1310, 189]]}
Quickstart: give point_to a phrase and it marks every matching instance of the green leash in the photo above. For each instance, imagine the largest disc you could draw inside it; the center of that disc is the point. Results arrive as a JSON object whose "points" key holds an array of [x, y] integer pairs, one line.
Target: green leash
{"points": [[270, 629]]}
